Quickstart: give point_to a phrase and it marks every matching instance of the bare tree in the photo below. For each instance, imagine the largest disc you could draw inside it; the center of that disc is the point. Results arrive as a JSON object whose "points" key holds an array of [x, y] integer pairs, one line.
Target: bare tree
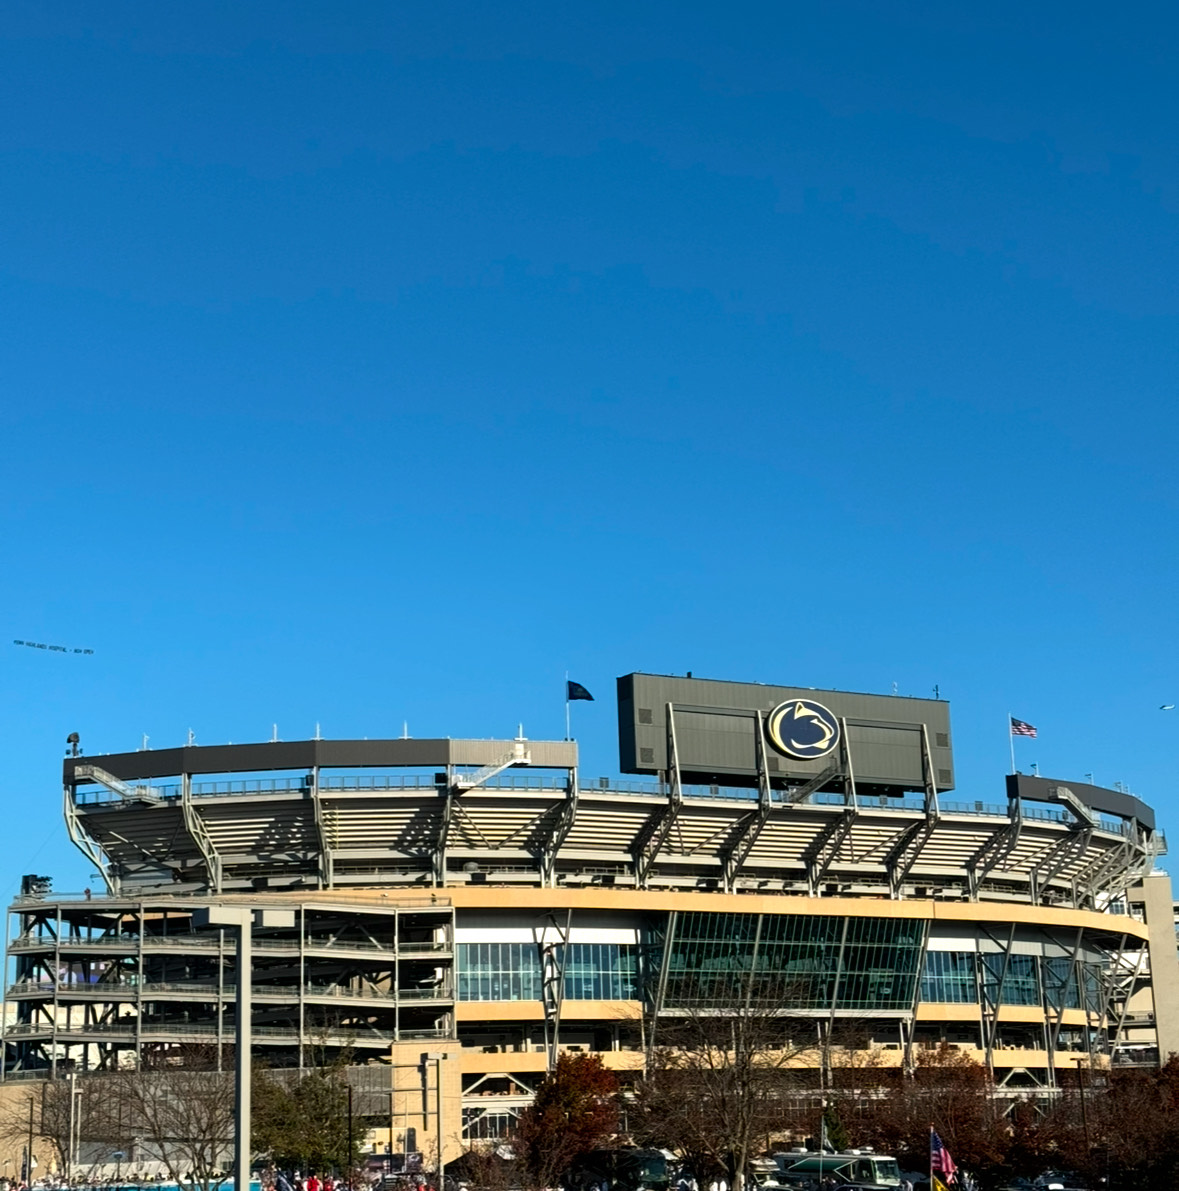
{"points": [[721, 1077], [183, 1117], [489, 1165]]}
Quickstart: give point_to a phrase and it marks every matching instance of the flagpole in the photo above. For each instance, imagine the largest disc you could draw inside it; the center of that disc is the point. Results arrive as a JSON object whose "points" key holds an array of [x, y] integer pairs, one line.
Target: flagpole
{"points": [[1011, 741], [568, 735]]}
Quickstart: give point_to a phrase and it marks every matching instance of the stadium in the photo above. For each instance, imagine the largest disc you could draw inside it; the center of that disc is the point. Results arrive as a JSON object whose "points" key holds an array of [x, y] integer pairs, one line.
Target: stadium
{"points": [[465, 910]]}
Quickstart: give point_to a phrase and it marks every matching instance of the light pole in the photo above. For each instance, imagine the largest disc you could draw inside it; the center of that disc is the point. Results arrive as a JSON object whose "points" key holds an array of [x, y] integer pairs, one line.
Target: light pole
{"points": [[1084, 1111], [437, 1057], [242, 920], [350, 1162], [74, 1126], [29, 1152]]}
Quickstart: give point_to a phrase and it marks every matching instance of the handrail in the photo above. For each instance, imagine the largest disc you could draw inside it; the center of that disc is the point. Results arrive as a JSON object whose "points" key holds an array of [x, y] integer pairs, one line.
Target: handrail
{"points": [[206, 942], [111, 991], [548, 784], [172, 1029], [545, 783]]}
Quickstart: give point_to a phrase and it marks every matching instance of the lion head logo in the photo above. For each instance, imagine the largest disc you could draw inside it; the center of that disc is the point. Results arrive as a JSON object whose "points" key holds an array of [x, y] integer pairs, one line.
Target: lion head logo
{"points": [[802, 729]]}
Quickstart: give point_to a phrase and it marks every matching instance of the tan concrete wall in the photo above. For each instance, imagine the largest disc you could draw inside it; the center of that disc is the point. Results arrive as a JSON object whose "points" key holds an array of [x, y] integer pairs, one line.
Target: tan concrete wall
{"points": [[14, 1123], [414, 1099], [498, 1011], [1155, 894], [543, 900], [751, 903]]}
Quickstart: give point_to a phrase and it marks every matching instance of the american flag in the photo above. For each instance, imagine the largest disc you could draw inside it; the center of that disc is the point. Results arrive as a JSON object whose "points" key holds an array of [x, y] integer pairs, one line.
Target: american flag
{"points": [[940, 1161], [1021, 728]]}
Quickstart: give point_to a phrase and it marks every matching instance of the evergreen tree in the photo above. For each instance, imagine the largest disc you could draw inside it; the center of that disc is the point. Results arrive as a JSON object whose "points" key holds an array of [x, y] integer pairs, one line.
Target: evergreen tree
{"points": [[837, 1136]]}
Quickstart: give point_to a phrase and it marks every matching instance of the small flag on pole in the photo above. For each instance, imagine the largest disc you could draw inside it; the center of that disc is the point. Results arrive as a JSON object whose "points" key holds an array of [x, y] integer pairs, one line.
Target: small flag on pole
{"points": [[574, 690], [940, 1162], [1022, 728]]}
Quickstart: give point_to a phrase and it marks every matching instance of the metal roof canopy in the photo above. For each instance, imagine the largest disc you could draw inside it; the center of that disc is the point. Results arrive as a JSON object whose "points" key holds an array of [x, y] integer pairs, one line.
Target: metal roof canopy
{"points": [[307, 755], [1051, 789]]}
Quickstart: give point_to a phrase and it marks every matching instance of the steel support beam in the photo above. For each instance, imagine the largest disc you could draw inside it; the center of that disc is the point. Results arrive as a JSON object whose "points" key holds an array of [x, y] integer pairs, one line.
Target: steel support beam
{"points": [[749, 827], [650, 842], [553, 957], [325, 831], [1054, 1014], [1124, 978], [1129, 864], [560, 824], [1115, 860], [1059, 856], [988, 1006], [199, 834], [996, 850], [657, 996], [443, 838], [86, 843], [905, 852], [826, 847]]}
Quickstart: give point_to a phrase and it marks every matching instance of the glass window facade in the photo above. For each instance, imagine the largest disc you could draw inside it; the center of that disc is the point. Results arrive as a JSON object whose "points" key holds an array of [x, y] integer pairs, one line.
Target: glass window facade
{"points": [[1019, 975], [948, 977], [801, 962], [498, 972], [601, 972], [512, 972], [796, 961], [1060, 983]]}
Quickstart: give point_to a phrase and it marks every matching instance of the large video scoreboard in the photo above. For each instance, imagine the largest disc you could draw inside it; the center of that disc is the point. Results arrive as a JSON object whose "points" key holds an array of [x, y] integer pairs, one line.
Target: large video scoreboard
{"points": [[886, 737]]}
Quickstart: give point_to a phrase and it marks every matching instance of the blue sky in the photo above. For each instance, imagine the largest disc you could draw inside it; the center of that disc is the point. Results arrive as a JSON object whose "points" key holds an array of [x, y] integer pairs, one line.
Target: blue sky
{"points": [[369, 363]]}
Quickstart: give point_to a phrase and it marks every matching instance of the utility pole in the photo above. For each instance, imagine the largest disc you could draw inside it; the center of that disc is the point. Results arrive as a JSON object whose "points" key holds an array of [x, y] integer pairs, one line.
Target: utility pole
{"points": [[69, 1158], [29, 1151], [242, 920], [438, 1057], [350, 1162]]}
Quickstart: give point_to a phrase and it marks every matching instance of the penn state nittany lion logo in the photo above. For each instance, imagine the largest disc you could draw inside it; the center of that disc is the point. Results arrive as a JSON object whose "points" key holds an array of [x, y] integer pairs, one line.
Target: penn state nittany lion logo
{"points": [[802, 729]]}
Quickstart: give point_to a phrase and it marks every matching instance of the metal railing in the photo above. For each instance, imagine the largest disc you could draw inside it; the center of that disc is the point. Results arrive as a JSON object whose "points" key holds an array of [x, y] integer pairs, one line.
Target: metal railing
{"points": [[546, 783], [169, 1030], [206, 942], [129, 990]]}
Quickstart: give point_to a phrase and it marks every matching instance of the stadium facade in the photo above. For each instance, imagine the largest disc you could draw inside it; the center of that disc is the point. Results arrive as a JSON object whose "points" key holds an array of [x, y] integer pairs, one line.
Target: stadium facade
{"points": [[468, 909]]}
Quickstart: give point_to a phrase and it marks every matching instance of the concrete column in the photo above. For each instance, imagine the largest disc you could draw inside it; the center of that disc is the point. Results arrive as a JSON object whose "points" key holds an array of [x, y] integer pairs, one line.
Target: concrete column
{"points": [[1155, 894]]}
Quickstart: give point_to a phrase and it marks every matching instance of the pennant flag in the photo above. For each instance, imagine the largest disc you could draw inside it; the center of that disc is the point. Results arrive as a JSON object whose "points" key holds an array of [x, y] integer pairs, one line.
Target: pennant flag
{"points": [[1022, 728], [940, 1162], [574, 690]]}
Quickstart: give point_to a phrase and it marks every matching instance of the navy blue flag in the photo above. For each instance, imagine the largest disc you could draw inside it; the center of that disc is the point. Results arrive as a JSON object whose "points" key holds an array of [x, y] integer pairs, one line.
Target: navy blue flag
{"points": [[574, 690]]}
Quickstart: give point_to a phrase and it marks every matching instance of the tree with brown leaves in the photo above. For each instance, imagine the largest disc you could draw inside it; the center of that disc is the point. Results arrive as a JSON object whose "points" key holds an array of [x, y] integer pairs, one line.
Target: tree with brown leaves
{"points": [[575, 1111], [949, 1091]]}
